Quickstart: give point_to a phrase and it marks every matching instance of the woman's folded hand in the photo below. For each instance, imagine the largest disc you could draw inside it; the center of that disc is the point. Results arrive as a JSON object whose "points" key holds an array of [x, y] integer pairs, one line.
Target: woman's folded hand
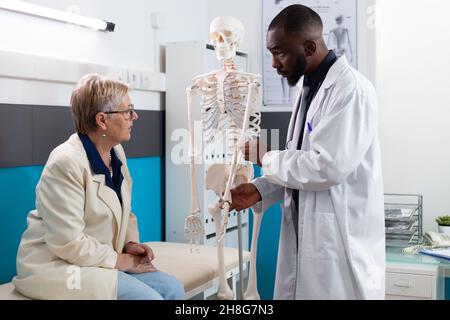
{"points": [[134, 263], [139, 249]]}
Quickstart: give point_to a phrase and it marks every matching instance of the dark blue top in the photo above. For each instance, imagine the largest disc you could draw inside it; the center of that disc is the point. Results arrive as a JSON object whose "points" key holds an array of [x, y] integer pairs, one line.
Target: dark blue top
{"points": [[313, 81], [99, 167]]}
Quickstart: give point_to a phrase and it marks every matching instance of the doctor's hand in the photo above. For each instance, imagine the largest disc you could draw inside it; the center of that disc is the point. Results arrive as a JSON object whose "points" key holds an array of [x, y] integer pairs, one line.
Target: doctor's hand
{"points": [[134, 264], [254, 150], [244, 196]]}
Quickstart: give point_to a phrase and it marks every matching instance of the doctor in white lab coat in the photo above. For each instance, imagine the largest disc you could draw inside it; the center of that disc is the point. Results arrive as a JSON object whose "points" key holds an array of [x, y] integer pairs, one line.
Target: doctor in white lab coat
{"points": [[332, 242]]}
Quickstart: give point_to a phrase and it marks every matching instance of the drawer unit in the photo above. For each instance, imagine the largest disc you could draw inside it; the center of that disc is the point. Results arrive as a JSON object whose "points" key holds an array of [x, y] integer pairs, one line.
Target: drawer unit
{"points": [[410, 285], [406, 282]]}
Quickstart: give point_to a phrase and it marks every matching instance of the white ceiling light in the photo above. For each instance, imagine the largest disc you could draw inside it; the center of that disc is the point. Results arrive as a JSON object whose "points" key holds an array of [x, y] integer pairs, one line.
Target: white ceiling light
{"points": [[40, 11]]}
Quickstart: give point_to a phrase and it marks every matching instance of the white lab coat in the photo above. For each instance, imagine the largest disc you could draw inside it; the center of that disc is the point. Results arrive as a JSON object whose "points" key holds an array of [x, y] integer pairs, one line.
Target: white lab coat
{"points": [[341, 240]]}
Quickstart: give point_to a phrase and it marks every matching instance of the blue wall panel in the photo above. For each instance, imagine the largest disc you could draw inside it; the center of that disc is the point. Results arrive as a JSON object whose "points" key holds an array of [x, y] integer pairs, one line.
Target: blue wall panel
{"points": [[17, 198], [147, 197], [267, 248]]}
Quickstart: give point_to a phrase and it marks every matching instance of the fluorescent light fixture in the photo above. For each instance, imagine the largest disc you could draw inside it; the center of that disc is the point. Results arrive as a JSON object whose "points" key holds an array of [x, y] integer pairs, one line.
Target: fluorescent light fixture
{"points": [[52, 14]]}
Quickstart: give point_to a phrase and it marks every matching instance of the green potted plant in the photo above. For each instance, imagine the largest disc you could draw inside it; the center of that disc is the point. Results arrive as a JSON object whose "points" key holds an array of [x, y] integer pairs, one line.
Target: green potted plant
{"points": [[443, 224]]}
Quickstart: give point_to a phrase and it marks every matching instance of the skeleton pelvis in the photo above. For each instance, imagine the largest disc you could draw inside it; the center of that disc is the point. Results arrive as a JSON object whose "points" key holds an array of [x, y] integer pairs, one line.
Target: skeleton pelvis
{"points": [[217, 176]]}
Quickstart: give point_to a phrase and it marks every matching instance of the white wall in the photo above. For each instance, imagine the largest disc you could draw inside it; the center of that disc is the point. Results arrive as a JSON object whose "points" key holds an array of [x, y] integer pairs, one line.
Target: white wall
{"points": [[131, 45], [412, 81], [250, 13]]}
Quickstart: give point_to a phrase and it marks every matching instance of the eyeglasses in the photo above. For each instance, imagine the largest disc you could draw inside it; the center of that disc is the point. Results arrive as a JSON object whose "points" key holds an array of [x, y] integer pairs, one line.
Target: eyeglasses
{"points": [[130, 111]]}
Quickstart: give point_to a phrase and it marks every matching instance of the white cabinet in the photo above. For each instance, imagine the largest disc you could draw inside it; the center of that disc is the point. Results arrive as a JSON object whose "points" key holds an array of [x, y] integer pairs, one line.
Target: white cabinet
{"points": [[411, 282]]}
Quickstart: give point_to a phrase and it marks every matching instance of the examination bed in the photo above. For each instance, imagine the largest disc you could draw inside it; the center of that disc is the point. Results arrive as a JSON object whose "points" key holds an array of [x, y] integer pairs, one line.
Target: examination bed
{"points": [[198, 271]]}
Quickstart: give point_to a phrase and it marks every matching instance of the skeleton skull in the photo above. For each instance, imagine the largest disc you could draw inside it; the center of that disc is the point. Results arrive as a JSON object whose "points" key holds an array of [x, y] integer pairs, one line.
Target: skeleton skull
{"points": [[226, 34]]}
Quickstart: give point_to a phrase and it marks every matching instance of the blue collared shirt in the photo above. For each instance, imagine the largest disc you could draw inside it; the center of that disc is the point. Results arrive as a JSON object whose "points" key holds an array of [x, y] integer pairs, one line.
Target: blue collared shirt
{"points": [[99, 167], [313, 81]]}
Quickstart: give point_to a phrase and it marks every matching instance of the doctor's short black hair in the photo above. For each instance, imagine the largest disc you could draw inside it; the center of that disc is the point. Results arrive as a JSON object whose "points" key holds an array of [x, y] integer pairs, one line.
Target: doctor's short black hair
{"points": [[298, 18]]}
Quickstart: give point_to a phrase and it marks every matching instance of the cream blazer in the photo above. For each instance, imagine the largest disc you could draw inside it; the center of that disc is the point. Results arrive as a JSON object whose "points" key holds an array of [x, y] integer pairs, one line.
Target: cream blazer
{"points": [[69, 249]]}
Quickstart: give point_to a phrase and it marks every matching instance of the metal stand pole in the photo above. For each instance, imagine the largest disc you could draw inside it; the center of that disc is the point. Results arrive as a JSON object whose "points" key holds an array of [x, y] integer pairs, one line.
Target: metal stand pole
{"points": [[241, 271]]}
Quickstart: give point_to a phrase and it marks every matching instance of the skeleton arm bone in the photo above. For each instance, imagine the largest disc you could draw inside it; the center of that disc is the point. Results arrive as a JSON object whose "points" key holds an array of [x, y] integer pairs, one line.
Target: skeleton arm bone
{"points": [[237, 158], [237, 153], [193, 227], [195, 207]]}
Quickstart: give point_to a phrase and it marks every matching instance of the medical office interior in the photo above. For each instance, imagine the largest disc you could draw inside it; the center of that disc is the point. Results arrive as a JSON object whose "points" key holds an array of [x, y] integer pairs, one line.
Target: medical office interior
{"points": [[157, 47]]}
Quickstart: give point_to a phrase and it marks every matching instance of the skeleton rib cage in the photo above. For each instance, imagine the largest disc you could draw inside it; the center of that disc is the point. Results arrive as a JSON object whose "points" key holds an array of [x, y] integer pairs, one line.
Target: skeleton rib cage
{"points": [[223, 109]]}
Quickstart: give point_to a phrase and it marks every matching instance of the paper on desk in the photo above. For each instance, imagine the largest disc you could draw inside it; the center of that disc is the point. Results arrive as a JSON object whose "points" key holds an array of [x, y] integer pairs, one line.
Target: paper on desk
{"points": [[443, 253]]}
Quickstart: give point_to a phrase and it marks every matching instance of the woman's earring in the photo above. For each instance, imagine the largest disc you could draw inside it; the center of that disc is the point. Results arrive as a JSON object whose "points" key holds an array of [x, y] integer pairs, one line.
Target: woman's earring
{"points": [[104, 135]]}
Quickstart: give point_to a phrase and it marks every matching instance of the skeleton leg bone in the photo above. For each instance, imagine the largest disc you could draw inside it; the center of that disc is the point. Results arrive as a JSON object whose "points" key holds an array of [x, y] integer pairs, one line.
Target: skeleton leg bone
{"points": [[225, 292]]}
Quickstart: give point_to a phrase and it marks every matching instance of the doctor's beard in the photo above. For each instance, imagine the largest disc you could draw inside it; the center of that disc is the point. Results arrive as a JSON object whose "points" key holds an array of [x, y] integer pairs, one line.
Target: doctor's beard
{"points": [[298, 72]]}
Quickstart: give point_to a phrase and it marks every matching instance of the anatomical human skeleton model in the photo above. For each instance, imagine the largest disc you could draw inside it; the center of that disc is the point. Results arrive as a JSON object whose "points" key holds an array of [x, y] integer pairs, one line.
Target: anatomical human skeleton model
{"points": [[230, 108]]}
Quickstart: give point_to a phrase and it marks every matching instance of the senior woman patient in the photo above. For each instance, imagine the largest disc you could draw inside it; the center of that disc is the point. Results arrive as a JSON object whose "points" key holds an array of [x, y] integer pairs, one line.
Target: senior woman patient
{"points": [[82, 240]]}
